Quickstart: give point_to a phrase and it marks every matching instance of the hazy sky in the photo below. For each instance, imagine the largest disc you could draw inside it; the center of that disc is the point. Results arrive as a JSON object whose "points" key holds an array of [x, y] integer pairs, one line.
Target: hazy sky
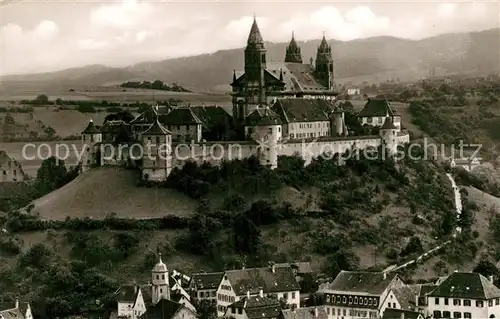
{"points": [[47, 35]]}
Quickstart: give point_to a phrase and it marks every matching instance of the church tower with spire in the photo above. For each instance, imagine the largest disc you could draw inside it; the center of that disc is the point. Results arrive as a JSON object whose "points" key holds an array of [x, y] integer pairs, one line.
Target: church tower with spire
{"points": [[293, 54], [160, 288], [255, 66], [324, 64]]}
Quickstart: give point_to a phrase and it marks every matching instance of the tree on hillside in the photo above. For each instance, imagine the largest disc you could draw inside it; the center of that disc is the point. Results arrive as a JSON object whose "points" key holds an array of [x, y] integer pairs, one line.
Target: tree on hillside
{"points": [[247, 237], [486, 268], [41, 99], [50, 175]]}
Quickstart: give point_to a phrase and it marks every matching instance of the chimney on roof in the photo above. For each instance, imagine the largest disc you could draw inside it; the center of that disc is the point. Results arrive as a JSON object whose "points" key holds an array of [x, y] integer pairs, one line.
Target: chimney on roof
{"points": [[17, 302], [248, 294], [261, 293], [315, 312], [490, 278]]}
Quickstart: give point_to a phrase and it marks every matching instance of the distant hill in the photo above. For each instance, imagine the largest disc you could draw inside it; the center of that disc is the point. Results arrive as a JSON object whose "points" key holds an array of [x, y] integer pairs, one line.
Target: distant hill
{"points": [[374, 60]]}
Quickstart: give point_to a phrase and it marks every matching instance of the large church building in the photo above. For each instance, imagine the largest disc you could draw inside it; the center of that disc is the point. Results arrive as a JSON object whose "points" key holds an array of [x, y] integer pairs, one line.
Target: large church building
{"points": [[262, 82]]}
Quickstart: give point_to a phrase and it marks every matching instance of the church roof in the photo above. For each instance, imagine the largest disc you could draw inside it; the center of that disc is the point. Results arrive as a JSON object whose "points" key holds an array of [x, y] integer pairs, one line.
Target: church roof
{"points": [[160, 266], [263, 117], [303, 110], [91, 128], [255, 37], [164, 309], [298, 77]]}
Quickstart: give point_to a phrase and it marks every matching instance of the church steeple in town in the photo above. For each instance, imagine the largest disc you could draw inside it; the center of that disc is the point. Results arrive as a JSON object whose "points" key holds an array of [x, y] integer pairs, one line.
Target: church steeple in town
{"points": [[324, 64], [293, 54], [255, 38]]}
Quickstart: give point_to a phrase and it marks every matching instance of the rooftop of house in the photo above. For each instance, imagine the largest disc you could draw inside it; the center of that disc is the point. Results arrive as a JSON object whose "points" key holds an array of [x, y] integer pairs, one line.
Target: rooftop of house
{"points": [[262, 116], [373, 283], [390, 313], [156, 129], [259, 307], [181, 116], [407, 296], [212, 115], [23, 306], [305, 313], [207, 280], [127, 293], [467, 286], [254, 279], [376, 108], [388, 124], [164, 309], [303, 110], [14, 313]]}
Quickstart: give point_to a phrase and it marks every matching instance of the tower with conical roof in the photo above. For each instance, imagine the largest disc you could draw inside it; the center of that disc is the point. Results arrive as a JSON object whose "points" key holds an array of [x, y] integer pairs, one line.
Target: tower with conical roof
{"points": [[324, 65], [255, 66], [160, 288], [91, 137], [293, 54], [157, 153]]}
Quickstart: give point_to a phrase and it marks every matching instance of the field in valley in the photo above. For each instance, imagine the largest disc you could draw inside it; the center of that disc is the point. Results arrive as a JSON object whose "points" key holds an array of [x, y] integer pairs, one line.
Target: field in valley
{"points": [[104, 191]]}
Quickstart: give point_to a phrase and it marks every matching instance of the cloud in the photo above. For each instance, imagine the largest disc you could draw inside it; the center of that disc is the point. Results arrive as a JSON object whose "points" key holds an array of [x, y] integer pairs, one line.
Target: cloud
{"points": [[133, 31]]}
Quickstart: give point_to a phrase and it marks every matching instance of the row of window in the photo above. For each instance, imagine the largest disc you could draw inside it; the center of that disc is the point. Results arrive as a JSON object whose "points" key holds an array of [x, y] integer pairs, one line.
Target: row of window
{"points": [[310, 125], [225, 298], [447, 314], [352, 313], [350, 300], [468, 303], [306, 135]]}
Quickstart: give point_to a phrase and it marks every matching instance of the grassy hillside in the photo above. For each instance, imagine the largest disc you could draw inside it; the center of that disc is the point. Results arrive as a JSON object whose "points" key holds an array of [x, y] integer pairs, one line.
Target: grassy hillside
{"points": [[101, 192], [374, 60]]}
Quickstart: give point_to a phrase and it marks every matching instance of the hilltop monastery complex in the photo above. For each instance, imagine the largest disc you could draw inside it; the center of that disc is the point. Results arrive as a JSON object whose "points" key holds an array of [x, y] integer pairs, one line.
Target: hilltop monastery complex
{"points": [[278, 109]]}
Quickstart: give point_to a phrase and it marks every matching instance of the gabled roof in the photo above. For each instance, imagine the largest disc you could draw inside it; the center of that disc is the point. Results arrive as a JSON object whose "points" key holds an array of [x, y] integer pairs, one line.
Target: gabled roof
{"points": [[259, 307], [14, 313], [372, 283], [305, 313], [23, 306], [212, 115], [390, 313], [164, 309], [91, 128], [303, 110], [262, 117], [156, 129], [388, 124], [376, 107], [254, 279], [467, 286], [406, 296], [207, 280], [180, 116], [127, 293]]}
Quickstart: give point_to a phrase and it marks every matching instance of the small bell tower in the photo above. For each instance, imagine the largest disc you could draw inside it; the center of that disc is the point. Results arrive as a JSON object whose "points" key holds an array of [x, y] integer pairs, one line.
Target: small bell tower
{"points": [[160, 282]]}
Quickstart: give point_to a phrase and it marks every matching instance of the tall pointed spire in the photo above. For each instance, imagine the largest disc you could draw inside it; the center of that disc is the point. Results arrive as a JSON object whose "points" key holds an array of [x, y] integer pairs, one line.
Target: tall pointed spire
{"points": [[293, 54], [255, 37], [159, 258], [234, 76]]}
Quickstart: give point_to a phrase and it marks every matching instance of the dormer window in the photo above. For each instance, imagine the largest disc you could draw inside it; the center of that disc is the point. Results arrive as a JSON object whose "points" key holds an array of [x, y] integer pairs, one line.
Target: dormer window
{"points": [[355, 300]]}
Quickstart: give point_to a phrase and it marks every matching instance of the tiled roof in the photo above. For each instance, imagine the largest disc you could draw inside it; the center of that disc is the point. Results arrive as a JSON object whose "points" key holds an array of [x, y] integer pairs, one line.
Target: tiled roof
{"points": [[467, 286], [127, 293], [156, 129], [180, 116], [302, 267], [164, 309], [146, 291], [151, 114], [297, 77], [388, 124], [207, 280], [406, 296], [212, 115], [12, 314], [255, 37], [390, 313], [305, 313], [303, 110], [259, 307], [262, 116], [23, 306], [360, 281], [114, 127], [254, 279], [90, 129], [374, 107]]}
